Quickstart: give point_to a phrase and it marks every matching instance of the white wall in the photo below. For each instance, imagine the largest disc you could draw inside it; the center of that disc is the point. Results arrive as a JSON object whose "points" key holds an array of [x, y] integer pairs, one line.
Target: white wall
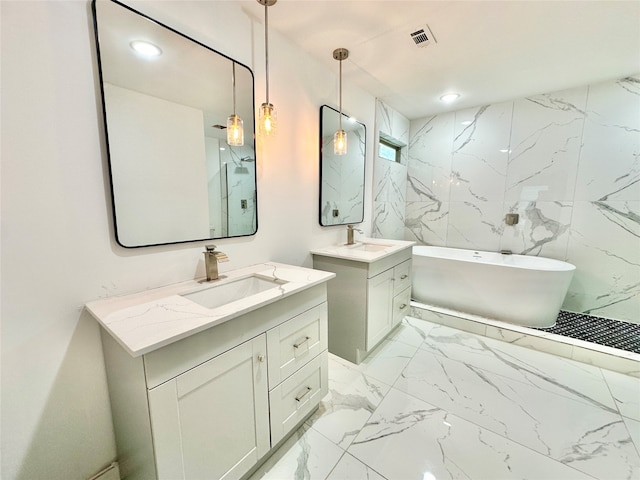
{"points": [[151, 140], [58, 249]]}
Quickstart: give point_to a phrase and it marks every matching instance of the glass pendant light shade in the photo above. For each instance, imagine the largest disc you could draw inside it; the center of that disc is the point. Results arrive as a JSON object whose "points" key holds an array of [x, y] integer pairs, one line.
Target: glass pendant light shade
{"points": [[267, 120], [340, 137], [235, 131], [235, 125], [340, 143]]}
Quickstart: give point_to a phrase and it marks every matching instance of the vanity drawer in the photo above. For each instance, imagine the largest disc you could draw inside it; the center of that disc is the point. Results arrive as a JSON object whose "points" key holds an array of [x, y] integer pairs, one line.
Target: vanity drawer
{"points": [[401, 305], [295, 342], [297, 396], [402, 277]]}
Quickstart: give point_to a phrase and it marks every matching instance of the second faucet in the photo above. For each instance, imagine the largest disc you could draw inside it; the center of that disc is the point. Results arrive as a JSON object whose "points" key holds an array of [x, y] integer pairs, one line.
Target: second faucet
{"points": [[350, 230]]}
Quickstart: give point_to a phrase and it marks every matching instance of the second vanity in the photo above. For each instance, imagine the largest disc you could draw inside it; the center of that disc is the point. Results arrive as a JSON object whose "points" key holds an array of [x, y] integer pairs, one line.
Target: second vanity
{"points": [[370, 294], [207, 379]]}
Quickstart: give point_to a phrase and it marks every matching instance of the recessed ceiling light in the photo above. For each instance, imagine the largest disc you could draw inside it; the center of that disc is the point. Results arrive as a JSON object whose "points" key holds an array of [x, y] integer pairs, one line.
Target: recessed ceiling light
{"points": [[147, 49], [449, 97], [222, 148], [467, 122]]}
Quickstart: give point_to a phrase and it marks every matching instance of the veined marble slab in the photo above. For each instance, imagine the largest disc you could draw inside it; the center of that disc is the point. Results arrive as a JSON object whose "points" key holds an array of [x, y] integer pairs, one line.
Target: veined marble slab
{"points": [[359, 254], [145, 321], [590, 353]]}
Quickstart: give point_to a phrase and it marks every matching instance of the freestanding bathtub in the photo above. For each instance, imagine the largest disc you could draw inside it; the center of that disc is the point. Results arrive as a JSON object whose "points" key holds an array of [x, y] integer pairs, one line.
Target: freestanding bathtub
{"points": [[518, 289]]}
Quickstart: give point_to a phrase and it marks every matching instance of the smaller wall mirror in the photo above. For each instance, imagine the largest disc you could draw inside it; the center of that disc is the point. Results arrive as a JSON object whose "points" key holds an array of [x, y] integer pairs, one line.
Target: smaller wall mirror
{"points": [[341, 176]]}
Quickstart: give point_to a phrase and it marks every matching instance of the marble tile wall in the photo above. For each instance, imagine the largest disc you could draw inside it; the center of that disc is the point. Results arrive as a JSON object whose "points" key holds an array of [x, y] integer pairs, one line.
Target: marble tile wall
{"points": [[390, 178], [566, 162]]}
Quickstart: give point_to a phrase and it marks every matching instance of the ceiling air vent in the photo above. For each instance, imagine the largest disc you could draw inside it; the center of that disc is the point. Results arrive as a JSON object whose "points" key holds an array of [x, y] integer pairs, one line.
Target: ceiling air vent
{"points": [[422, 36]]}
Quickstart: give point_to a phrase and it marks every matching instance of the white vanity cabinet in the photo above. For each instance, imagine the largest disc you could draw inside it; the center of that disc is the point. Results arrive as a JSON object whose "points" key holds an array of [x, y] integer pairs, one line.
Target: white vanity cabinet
{"points": [[213, 420], [298, 372], [215, 404], [367, 299]]}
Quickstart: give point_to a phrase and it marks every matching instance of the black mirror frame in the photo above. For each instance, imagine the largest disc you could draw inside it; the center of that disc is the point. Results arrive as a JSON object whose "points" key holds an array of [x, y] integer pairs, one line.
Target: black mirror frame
{"points": [[106, 133], [364, 169]]}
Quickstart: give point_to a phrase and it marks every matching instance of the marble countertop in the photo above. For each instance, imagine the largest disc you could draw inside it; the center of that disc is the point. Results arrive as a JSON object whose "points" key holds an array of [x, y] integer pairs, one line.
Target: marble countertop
{"points": [[365, 250], [145, 321]]}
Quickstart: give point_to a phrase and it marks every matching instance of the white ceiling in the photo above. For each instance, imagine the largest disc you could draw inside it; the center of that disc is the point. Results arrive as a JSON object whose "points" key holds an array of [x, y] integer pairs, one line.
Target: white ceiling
{"points": [[488, 51]]}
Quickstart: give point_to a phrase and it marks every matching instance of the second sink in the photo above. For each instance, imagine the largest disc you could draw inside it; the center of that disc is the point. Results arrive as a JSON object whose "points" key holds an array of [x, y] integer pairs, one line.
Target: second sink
{"points": [[368, 247]]}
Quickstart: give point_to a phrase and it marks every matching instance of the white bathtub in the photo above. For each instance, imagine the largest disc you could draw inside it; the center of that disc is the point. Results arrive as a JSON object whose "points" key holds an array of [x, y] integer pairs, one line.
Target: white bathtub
{"points": [[517, 289]]}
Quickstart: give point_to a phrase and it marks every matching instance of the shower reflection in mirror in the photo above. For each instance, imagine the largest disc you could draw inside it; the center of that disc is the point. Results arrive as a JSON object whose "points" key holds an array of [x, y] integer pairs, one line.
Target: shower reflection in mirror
{"points": [[231, 179]]}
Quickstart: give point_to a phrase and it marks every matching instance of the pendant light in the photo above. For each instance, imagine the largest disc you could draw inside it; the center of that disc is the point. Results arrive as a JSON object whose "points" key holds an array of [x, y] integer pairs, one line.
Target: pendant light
{"points": [[235, 129], [267, 118], [340, 137]]}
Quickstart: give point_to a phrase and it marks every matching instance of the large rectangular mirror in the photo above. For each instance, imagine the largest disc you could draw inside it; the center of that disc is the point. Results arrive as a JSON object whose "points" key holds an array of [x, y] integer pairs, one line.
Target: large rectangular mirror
{"points": [[341, 176], [174, 177]]}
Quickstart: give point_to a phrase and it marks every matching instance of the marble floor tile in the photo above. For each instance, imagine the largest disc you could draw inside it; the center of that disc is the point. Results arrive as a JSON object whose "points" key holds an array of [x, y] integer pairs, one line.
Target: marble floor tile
{"points": [[411, 331], [540, 342], [306, 455], [433, 402], [407, 438], [562, 376], [616, 362], [387, 361], [565, 425], [350, 468], [351, 400], [633, 426], [626, 393]]}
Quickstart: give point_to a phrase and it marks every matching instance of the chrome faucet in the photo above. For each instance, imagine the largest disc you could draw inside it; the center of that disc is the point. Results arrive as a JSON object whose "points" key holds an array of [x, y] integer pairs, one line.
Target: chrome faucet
{"points": [[211, 260], [350, 230]]}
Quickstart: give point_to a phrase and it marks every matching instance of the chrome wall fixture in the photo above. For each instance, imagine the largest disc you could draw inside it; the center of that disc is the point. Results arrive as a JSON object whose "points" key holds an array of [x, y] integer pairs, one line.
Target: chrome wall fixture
{"points": [[340, 137], [267, 119], [235, 128]]}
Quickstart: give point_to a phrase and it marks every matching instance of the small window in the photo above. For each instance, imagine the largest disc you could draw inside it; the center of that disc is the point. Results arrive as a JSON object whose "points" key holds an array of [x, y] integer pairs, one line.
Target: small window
{"points": [[389, 151]]}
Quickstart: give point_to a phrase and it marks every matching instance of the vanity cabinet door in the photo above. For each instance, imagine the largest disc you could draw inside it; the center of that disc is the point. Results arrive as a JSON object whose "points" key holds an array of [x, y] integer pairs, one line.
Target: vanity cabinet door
{"points": [[212, 421], [379, 307]]}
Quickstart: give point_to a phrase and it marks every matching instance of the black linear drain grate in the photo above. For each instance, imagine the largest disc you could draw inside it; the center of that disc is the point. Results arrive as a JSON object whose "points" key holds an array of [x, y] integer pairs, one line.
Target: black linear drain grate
{"points": [[603, 331]]}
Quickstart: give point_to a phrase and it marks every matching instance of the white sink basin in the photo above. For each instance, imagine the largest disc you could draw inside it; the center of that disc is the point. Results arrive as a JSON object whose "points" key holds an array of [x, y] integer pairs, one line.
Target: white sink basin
{"points": [[368, 247], [367, 250], [219, 295]]}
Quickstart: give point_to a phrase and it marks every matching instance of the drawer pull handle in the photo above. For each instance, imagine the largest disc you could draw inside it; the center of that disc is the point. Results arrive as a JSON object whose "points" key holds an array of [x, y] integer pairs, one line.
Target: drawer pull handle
{"points": [[403, 306], [403, 277], [261, 358], [299, 344], [300, 397]]}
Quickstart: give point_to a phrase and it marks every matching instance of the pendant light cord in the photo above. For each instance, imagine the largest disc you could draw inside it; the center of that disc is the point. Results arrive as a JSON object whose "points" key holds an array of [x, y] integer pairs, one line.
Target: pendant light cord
{"points": [[340, 120], [233, 80], [266, 45]]}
